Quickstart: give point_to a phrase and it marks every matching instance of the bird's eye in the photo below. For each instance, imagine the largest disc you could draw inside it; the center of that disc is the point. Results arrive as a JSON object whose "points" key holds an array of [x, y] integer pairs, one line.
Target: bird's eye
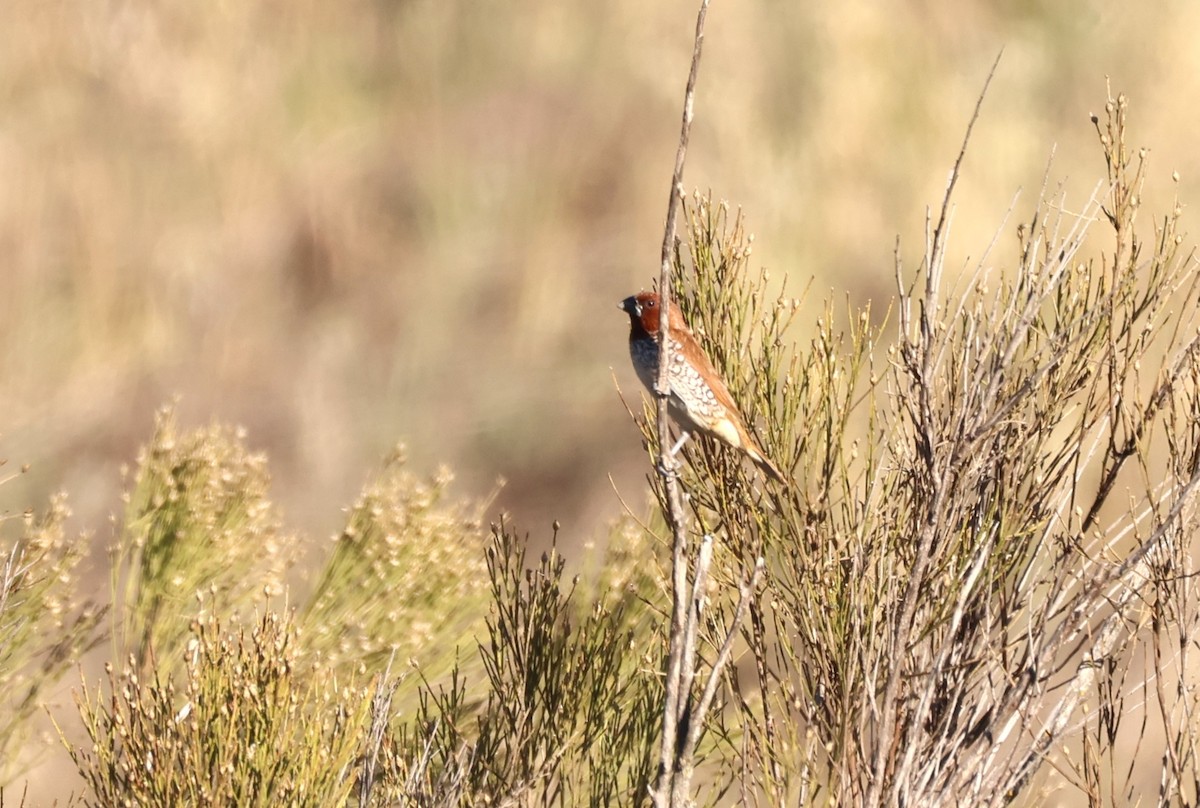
{"points": [[651, 304]]}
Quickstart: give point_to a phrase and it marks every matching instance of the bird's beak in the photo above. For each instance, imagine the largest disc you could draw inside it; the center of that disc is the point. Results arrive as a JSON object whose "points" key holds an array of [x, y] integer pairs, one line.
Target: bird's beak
{"points": [[630, 306]]}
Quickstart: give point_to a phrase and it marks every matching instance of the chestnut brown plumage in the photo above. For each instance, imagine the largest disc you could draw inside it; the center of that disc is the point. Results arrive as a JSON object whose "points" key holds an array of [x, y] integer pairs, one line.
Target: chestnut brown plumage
{"points": [[699, 401]]}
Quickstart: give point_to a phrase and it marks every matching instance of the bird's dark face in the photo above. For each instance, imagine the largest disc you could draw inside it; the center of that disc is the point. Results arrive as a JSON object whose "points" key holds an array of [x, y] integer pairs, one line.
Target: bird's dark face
{"points": [[642, 309]]}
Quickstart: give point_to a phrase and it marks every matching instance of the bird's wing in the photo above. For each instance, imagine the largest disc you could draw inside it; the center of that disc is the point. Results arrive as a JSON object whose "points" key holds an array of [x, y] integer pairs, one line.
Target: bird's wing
{"points": [[695, 355]]}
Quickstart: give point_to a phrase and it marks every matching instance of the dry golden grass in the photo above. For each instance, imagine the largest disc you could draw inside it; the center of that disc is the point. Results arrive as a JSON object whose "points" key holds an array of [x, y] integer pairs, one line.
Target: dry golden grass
{"points": [[343, 225]]}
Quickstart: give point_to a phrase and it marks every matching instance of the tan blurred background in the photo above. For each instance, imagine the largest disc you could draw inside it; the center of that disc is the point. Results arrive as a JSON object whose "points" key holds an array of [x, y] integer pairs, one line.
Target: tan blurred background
{"points": [[345, 224]]}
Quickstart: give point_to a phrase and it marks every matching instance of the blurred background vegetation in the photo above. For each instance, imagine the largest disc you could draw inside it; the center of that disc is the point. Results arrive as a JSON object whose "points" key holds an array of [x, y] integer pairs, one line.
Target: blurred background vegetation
{"points": [[345, 224]]}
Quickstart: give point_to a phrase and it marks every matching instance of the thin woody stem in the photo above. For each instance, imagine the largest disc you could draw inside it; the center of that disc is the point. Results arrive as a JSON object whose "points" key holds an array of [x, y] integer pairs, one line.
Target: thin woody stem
{"points": [[886, 739], [745, 596], [666, 787]]}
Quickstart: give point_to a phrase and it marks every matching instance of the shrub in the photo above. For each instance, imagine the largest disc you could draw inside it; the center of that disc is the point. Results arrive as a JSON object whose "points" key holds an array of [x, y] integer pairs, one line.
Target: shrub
{"points": [[45, 623], [247, 724], [198, 524], [981, 570]]}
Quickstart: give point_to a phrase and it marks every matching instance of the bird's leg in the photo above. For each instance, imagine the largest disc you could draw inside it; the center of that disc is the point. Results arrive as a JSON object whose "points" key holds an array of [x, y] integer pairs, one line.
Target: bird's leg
{"points": [[671, 464]]}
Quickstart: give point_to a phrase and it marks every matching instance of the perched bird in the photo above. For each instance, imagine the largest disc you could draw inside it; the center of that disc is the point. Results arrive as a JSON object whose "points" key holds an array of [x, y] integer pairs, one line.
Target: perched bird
{"points": [[699, 400]]}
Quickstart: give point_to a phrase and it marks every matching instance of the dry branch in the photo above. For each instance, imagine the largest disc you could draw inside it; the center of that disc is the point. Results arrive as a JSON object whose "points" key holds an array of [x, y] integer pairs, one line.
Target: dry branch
{"points": [[683, 714]]}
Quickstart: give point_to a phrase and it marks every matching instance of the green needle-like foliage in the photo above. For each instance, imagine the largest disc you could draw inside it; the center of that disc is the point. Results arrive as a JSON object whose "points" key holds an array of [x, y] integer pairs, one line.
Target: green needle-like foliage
{"points": [[569, 708], [985, 505], [406, 577], [198, 524], [45, 624], [246, 724]]}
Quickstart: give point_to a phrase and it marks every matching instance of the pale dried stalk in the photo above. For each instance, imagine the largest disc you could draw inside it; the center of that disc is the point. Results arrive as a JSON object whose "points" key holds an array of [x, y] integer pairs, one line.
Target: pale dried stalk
{"points": [[683, 717], [902, 628]]}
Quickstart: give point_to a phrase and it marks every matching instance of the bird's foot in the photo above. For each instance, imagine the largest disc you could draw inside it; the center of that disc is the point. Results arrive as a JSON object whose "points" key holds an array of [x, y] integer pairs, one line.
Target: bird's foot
{"points": [[668, 467]]}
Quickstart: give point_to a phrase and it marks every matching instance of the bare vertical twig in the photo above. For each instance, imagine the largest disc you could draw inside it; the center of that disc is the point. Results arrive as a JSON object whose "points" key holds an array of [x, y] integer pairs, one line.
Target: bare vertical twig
{"points": [[683, 716], [673, 696], [381, 715], [885, 742]]}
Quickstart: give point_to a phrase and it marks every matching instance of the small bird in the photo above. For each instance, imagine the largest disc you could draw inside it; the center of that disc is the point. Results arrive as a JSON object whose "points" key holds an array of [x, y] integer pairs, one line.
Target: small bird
{"points": [[699, 400]]}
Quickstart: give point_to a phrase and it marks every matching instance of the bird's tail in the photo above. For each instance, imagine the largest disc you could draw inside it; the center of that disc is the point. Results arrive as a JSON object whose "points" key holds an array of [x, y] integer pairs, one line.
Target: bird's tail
{"points": [[769, 468]]}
